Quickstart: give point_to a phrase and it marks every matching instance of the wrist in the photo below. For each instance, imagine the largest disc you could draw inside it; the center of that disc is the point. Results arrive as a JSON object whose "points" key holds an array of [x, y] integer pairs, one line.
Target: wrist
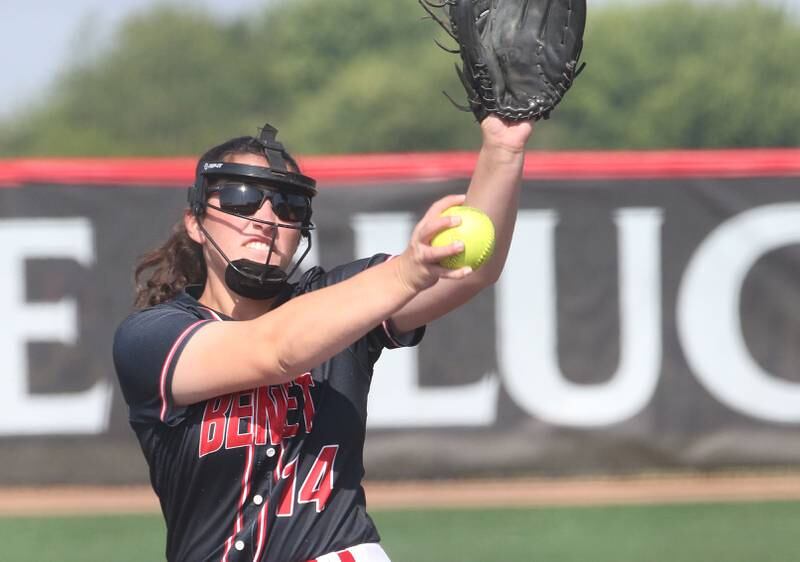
{"points": [[409, 285], [503, 152], [509, 138]]}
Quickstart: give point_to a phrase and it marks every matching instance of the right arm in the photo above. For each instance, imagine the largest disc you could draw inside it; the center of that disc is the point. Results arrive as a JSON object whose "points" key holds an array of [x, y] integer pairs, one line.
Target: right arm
{"points": [[225, 357]]}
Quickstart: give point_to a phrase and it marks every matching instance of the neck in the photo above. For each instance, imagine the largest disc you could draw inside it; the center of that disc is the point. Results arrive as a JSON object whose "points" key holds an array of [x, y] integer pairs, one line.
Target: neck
{"points": [[217, 296]]}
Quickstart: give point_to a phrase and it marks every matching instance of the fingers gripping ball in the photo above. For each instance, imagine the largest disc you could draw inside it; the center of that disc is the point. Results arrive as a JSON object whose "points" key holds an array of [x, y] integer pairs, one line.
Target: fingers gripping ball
{"points": [[476, 231]]}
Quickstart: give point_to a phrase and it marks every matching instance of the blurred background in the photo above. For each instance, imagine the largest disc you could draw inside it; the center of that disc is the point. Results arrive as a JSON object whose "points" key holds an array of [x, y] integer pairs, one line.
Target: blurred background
{"points": [[627, 393], [140, 77]]}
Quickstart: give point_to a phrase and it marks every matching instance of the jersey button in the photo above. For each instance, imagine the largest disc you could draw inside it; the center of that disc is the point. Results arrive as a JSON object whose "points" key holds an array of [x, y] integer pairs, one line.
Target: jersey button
{"points": [[271, 452], [238, 545], [258, 499]]}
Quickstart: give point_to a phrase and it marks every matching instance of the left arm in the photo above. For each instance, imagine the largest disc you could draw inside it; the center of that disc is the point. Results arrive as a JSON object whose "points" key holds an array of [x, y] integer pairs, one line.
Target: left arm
{"points": [[494, 189]]}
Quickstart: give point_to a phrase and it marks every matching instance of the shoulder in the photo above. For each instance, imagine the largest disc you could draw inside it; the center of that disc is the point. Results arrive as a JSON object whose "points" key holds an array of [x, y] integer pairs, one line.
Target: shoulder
{"points": [[146, 347], [173, 308], [152, 322]]}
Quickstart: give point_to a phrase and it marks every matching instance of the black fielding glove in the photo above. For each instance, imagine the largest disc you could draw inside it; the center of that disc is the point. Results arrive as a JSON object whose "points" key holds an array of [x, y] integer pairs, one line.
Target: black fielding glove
{"points": [[519, 56]]}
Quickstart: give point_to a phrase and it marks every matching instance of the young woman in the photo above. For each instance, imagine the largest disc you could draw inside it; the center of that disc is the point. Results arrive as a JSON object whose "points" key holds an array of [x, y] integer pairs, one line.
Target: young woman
{"points": [[247, 392]]}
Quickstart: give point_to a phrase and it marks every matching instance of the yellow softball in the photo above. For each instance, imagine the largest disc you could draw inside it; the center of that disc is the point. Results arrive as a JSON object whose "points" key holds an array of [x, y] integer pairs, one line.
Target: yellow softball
{"points": [[476, 231]]}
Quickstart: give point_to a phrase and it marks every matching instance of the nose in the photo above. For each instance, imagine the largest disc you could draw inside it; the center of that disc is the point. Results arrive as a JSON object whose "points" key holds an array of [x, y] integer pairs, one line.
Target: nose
{"points": [[267, 213]]}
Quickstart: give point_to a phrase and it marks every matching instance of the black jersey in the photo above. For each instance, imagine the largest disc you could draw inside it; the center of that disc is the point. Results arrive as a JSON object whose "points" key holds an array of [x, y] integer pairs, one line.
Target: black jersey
{"points": [[268, 474]]}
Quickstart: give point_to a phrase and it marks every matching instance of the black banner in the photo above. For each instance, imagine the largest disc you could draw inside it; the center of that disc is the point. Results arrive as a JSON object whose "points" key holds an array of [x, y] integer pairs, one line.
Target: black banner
{"points": [[639, 325]]}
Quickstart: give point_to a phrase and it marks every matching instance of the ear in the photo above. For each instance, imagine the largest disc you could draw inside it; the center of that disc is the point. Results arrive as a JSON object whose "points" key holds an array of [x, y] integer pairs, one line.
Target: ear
{"points": [[192, 227]]}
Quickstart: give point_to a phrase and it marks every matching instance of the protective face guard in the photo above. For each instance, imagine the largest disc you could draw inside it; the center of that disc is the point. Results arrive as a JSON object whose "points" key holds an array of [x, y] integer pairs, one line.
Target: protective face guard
{"points": [[283, 180], [245, 277]]}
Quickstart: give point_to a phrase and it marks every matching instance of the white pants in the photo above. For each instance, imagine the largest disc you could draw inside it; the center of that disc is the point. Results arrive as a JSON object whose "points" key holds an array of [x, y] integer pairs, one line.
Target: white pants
{"points": [[367, 552]]}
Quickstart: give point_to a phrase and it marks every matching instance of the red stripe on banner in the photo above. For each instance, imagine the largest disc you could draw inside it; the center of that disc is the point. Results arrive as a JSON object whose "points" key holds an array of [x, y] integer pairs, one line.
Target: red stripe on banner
{"points": [[359, 169], [97, 171]]}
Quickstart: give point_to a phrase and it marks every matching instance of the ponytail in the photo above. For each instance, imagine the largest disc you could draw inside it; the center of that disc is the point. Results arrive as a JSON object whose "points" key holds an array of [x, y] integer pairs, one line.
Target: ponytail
{"points": [[164, 272]]}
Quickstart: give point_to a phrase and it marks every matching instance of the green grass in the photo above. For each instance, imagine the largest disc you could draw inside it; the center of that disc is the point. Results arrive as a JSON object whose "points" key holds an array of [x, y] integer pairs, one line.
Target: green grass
{"points": [[119, 538], [737, 532], [677, 533]]}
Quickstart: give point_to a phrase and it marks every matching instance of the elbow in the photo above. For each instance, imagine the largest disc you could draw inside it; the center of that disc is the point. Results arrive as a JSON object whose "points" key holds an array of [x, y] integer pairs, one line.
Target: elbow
{"points": [[494, 269], [490, 273], [283, 369], [275, 361], [493, 276]]}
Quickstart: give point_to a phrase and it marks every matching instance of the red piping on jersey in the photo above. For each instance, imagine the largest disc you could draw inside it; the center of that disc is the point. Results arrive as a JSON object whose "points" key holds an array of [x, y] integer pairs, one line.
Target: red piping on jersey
{"points": [[167, 363], [388, 331], [237, 527], [360, 169], [262, 531]]}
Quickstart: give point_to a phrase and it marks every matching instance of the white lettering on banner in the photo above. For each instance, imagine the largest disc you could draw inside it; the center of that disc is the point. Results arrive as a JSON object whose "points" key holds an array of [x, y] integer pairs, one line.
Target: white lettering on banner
{"points": [[707, 316], [527, 324], [396, 399], [24, 413], [709, 323]]}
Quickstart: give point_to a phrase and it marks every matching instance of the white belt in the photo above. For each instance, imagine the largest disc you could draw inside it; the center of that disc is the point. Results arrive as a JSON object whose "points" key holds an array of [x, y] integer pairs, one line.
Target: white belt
{"points": [[367, 552]]}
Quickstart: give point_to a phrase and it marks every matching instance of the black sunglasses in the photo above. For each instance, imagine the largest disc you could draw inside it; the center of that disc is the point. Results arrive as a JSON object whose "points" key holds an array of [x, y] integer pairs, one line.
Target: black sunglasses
{"points": [[246, 199]]}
